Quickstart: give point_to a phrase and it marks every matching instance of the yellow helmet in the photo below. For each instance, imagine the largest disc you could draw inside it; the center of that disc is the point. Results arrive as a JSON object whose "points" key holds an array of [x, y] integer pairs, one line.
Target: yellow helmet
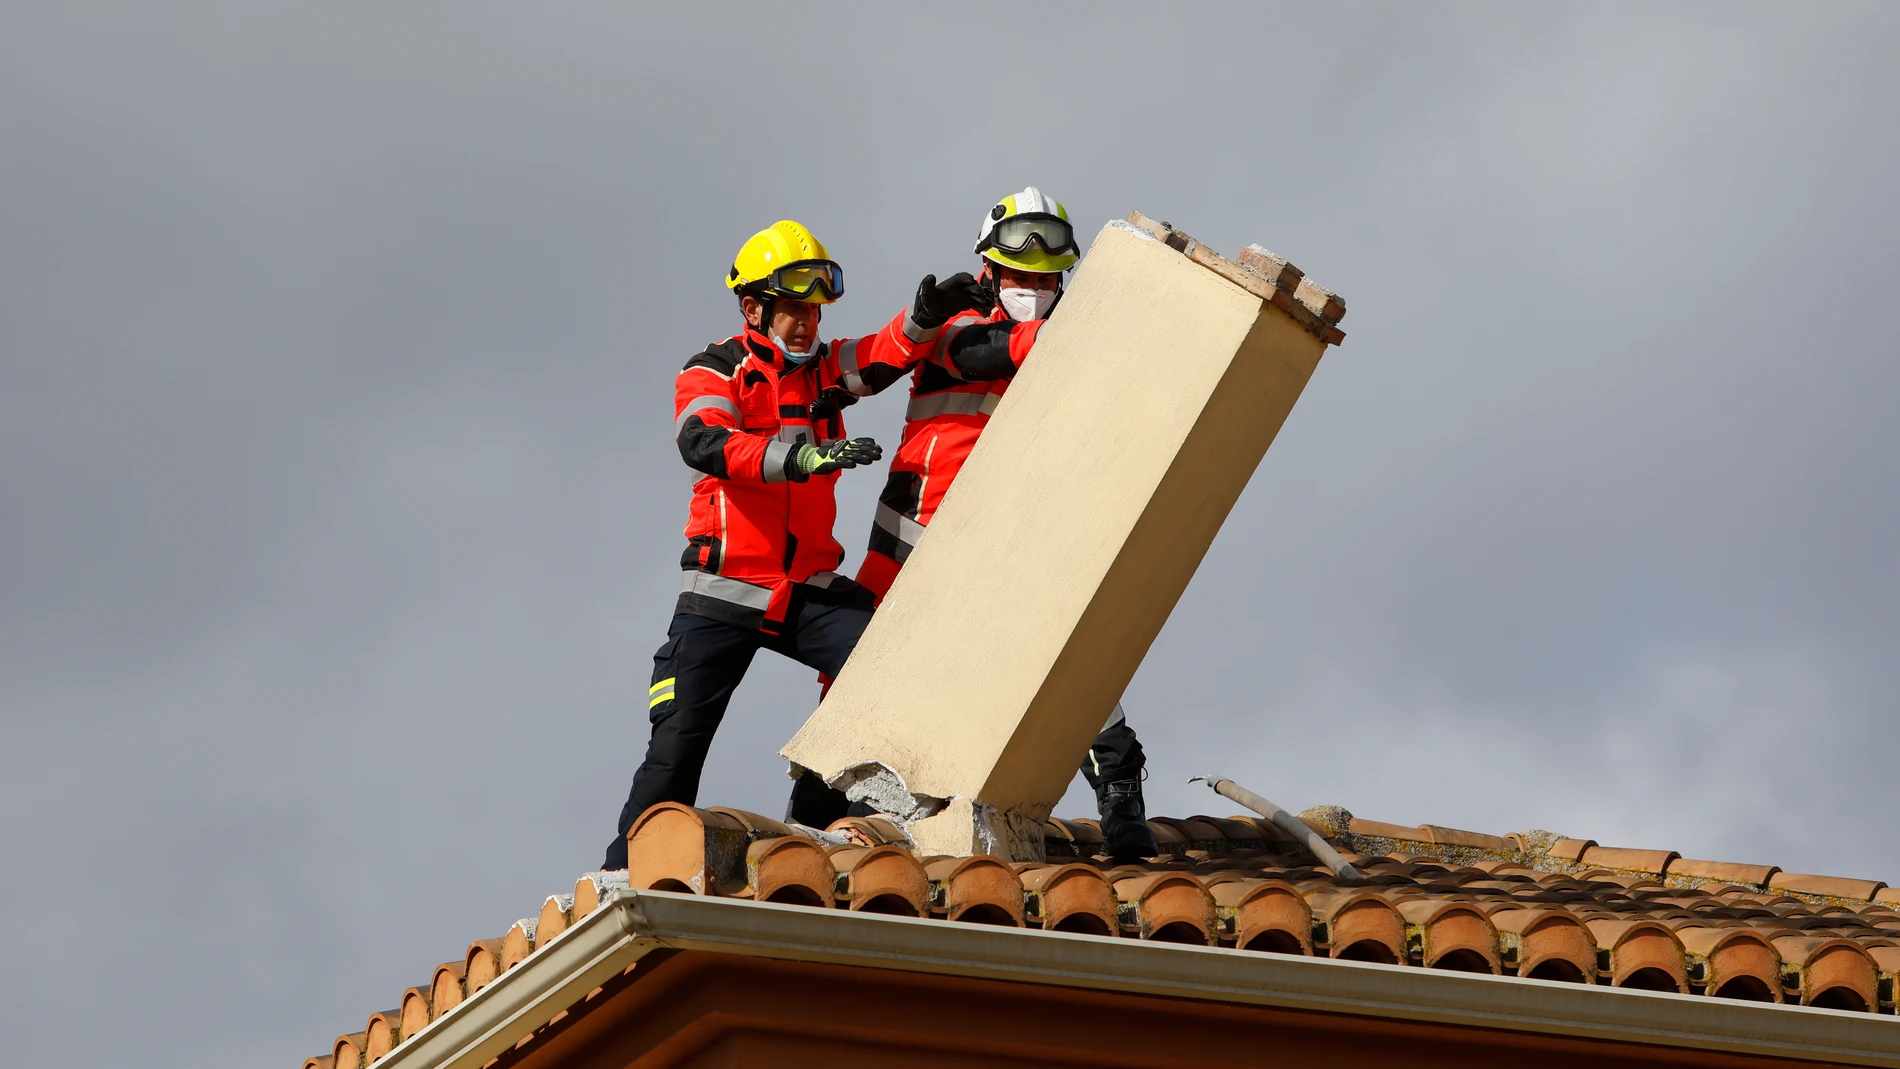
{"points": [[1028, 231], [785, 260]]}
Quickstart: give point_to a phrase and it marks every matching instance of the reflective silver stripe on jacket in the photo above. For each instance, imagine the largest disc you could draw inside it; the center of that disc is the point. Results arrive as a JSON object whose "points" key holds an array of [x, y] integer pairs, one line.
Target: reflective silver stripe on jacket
{"points": [[795, 435], [773, 466], [824, 580], [707, 401], [916, 333], [848, 369], [950, 335], [900, 526], [720, 588], [952, 404]]}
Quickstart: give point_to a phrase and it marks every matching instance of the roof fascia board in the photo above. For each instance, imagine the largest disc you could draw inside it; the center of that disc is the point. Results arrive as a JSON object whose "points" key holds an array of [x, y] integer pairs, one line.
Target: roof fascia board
{"points": [[631, 924]]}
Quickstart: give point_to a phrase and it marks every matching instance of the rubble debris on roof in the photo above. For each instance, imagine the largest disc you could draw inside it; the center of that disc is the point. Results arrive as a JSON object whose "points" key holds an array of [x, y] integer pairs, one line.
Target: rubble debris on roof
{"points": [[1528, 904]]}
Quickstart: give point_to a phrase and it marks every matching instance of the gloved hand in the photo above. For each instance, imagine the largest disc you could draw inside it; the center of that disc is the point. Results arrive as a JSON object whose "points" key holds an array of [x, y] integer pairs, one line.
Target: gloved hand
{"points": [[809, 460], [829, 402], [938, 301]]}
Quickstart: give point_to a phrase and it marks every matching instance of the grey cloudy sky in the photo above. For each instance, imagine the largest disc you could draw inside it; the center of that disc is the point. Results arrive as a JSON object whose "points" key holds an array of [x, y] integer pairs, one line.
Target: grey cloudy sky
{"points": [[341, 515]]}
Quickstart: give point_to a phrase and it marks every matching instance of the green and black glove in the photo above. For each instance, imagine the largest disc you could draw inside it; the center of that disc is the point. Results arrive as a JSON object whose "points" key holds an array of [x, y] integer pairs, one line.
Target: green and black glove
{"points": [[809, 460], [937, 301]]}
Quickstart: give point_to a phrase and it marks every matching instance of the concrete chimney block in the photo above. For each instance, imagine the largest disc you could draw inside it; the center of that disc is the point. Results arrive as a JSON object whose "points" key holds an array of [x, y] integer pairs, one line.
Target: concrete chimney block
{"points": [[1055, 559]]}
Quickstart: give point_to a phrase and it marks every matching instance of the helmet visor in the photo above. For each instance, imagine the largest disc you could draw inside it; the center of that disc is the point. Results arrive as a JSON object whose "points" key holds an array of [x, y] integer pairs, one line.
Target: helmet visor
{"points": [[803, 278], [1019, 232]]}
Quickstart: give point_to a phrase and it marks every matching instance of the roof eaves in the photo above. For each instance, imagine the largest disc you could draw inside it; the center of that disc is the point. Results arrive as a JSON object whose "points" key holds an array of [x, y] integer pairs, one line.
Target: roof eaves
{"points": [[631, 924]]}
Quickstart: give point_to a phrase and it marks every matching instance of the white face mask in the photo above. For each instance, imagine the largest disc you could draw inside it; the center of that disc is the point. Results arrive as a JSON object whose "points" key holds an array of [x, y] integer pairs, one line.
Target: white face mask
{"points": [[792, 358], [1024, 305]]}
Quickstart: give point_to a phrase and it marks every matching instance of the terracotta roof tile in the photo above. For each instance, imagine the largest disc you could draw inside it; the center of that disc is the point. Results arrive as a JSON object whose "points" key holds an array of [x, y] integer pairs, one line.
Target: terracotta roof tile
{"points": [[382, 1034], [1825, 886], [1528, 904]]}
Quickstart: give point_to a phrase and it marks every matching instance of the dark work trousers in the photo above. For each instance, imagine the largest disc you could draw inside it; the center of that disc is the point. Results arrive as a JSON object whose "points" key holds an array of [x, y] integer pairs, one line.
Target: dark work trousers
{"points": [[1115, 755], [694, 674]]}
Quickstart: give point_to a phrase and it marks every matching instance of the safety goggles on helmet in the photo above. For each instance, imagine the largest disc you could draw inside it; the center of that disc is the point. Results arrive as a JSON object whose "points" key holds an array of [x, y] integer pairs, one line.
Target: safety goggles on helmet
{"points": [[802, 278], [1018, 232]]}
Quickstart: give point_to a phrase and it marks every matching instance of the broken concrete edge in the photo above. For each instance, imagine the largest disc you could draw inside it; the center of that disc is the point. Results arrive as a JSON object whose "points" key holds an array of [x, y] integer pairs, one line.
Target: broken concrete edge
{"points": [[632, 924], [955, 826], [1271, 278]]}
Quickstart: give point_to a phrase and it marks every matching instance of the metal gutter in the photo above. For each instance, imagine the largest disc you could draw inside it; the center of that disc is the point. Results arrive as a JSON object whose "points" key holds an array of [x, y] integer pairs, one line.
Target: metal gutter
{"points": [[629, 925]]}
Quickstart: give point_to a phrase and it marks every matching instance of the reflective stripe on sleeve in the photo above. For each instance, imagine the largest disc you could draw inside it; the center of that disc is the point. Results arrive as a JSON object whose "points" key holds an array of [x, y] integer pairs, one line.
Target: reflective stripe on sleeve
{"points": [[795, 435], [848, 375], [721, 588], [772, 468], [823, 580], [724, 404], [952, 404], [916, 333], [898, 525]]}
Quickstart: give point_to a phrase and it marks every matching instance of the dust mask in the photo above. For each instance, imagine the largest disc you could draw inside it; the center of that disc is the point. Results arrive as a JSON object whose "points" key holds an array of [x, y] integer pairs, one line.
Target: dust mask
{"points": [[792, 358], [1024, 305]]}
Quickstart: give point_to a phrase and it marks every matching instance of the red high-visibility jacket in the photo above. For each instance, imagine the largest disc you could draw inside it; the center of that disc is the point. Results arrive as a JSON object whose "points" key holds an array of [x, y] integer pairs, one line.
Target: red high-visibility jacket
{"points": [[959, 378], [739, 411]]}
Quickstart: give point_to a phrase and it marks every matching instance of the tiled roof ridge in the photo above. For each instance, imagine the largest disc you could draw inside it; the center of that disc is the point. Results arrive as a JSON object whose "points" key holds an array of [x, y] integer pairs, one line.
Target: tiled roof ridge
{"points": [[1529, 903], [1549, 852]]}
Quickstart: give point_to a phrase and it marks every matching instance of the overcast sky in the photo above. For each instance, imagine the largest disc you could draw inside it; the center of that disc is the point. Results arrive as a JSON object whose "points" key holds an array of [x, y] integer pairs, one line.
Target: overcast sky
{"points": [[341, 515]]}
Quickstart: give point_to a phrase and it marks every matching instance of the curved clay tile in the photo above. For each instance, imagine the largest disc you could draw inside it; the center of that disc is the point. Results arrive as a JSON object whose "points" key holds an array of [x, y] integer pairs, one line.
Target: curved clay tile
{"points": [[1734, 962], [1547, 944], [347, 1051], [1070, 898], [755, 825], [882, 879], [1476, 840], [1450, 935], [1835, 973], [872, 831], [481, 965], [1617, 859], [1196, 834], [321, 1061], [1360, 926], [793, 870], [1240, 834], [553, 918], [445, 988], [1726, 872], [1170, 907], [591, 890], [382, 1034], [1643, 954], [1826, 886], [416, 1012], [1562, 849], [1267, 916], [978, 890], [674, 847], [518, 943]]}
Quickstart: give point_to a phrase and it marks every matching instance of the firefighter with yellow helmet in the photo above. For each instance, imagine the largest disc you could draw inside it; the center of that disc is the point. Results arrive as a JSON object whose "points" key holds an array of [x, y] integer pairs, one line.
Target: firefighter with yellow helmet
{"points": [[757, 418]]}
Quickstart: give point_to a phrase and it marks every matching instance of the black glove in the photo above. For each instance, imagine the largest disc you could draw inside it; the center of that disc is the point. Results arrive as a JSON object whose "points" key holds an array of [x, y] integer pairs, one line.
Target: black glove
{"points": [[808, 460], [830, 401], [938, 301]]}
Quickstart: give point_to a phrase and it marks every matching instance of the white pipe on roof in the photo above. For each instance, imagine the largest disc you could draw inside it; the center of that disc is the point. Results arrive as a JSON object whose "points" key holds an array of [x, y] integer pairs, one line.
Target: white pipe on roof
{"points": [[1286, 822]]}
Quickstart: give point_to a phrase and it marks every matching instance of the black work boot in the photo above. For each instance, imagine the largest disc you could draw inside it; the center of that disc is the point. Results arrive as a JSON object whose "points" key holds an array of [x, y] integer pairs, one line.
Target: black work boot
{"points": [[1125, 832]]}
